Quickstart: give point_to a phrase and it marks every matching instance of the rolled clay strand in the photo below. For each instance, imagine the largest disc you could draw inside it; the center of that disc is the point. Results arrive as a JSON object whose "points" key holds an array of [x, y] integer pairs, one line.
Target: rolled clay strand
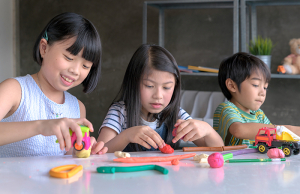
{"points": [[153, 159]]}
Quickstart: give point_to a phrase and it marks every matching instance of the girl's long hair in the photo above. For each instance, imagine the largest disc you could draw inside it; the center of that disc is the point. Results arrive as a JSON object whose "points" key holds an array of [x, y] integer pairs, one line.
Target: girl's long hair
{"points": [[149, 57]]}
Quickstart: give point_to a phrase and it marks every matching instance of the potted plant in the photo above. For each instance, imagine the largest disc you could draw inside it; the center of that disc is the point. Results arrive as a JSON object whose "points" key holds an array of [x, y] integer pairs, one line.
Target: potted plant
{"points": [[261, 48]]}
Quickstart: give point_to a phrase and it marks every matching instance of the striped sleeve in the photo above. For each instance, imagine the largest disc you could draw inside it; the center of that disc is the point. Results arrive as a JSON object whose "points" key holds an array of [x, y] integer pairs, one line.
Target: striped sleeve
{"points": [[224, 116], [115, 118], [261, 115], [183, 115]]}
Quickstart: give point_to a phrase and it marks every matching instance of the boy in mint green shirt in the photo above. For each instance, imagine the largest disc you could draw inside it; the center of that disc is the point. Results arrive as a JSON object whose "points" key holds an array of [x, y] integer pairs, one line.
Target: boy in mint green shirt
{"points": [[243, 79]]}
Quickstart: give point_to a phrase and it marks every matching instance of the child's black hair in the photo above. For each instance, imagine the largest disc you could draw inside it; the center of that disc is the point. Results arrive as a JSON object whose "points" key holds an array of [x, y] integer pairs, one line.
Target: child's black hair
{"points": [[239, 67], [149, 57], [68, 25]]}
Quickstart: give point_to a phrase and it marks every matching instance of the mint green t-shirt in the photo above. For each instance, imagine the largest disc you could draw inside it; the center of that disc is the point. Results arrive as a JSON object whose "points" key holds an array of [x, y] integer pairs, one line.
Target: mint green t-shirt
{"points": [[227, 113]]}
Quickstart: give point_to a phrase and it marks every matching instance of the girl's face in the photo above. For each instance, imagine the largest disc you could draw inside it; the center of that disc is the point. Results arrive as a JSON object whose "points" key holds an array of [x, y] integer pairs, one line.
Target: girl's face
{"points": [[156, 91], [60, 69], [252, 93]]}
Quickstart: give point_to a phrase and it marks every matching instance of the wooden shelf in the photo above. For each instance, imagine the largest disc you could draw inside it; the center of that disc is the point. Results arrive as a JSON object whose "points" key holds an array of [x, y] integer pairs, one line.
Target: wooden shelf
{"points": [[281, 76]]}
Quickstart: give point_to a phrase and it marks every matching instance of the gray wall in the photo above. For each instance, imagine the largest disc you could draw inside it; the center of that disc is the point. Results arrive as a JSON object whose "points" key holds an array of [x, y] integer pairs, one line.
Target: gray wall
{"points": [[194, 37], [7, 51]]}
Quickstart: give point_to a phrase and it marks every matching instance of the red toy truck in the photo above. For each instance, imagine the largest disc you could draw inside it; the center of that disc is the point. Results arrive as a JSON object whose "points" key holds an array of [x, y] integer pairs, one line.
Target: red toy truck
{"points": [[266, 139]]}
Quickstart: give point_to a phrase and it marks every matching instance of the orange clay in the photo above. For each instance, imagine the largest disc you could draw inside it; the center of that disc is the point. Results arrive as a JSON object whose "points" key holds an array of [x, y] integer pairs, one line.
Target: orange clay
{"points": [[175, 162], [72, 169], [153, 159], [78, 147]]}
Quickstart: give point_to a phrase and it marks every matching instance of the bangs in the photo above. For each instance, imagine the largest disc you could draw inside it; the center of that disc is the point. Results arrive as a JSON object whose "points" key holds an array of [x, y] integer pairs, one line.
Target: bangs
{"points": [[90, 43], [265, 72]]}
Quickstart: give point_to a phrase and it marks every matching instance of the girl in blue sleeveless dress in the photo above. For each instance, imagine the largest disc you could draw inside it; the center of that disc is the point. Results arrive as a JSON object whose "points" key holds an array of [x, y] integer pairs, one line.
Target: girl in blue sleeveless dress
{"points": [[36, 109]]}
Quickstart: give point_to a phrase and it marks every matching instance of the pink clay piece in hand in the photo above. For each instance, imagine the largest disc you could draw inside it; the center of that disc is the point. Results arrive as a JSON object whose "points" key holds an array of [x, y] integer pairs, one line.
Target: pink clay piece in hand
{"points": [[215, 160], [174, 132], [275, 153]]}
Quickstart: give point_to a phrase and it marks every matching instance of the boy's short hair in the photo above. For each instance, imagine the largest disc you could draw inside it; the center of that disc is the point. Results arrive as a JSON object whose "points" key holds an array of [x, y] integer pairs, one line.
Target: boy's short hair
{"points": [[239, 67]]}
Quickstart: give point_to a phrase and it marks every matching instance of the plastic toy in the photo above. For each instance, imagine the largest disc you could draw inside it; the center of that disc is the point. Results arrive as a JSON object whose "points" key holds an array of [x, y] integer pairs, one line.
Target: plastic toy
{"points": [[267, 138], [153, 159], [86, 140], [280, 69], [113, 169], [60, 171], [84, 150]]}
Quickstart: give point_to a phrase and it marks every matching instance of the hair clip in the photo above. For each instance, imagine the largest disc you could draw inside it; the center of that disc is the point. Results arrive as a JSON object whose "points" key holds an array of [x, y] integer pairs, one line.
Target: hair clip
{"points": [[45, 36]]}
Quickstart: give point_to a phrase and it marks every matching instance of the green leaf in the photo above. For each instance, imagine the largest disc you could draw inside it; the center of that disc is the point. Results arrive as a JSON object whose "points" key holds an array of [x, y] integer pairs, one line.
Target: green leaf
{"points": [[261, 46]]}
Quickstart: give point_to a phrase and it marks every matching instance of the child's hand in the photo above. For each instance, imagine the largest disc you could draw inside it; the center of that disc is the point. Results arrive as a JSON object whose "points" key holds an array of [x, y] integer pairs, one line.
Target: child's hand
{"points": [[144, 136], [60, 128], [190, 130], [97, 147]]}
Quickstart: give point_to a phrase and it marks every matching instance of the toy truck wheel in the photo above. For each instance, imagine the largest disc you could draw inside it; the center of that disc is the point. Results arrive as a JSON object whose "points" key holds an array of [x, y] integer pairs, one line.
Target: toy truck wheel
{"points": [[262, 148], [287, 151], [77, 147], [296, 152]]}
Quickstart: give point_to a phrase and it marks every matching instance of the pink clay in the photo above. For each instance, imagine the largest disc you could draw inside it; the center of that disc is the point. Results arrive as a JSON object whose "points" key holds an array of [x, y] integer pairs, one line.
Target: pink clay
{"points": [[275, 153]]}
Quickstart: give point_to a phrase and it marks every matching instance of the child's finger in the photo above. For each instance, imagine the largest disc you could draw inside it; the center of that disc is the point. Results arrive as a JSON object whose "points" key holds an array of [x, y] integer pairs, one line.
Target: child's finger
{"points": [[178, 122], [195, 137], [142, 142], [156, 138], [148, 140], [97, 147], [77, 130], [85, 122], [103, 151], [189, 135], [61, 141], [67, 139], [182, 130], [181, 127]]}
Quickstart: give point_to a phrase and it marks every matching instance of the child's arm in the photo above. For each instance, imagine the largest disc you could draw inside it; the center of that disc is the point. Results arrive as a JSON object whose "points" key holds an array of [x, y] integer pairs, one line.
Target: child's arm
{"points": [[246, 130], [10, 97], [200, 132], [142, 135]]}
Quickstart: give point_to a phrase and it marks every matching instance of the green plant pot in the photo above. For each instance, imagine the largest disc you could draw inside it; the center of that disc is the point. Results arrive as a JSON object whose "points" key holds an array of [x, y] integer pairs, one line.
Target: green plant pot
{"points": [[266, 59]]}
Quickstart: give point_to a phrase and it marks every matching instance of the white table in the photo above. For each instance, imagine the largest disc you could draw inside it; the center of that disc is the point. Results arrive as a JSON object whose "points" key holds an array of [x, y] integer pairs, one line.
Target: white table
{"points": [[30, 175]]}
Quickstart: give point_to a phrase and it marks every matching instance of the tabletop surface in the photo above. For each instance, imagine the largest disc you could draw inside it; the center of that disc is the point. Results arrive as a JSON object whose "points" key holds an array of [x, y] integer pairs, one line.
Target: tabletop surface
{"points": [[31, 175]]}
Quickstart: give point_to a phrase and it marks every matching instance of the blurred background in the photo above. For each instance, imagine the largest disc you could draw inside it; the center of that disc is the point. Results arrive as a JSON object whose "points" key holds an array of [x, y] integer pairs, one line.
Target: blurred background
{"points": [[198, 37]]}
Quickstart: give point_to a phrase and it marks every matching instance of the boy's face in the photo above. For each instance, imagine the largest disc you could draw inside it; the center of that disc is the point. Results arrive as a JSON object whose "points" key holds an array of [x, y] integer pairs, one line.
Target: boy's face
{"points": [[252, 93]]}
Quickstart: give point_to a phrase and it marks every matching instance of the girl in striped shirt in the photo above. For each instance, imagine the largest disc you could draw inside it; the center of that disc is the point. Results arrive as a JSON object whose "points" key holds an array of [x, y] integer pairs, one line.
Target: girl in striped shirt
{"points": [[147, 108]]}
